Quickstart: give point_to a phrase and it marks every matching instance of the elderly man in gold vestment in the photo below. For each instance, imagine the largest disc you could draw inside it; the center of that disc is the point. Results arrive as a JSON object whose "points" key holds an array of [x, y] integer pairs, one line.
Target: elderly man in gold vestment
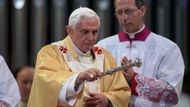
{"points": [[69, 73]]}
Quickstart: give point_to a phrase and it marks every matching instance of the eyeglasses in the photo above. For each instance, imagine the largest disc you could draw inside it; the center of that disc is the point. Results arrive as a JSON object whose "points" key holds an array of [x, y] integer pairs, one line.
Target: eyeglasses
{"points": [[128, 12]]}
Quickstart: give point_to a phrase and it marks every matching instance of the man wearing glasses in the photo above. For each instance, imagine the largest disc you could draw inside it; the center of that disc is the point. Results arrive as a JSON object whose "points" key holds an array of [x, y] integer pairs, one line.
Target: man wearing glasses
{"points": [[158, 82]]}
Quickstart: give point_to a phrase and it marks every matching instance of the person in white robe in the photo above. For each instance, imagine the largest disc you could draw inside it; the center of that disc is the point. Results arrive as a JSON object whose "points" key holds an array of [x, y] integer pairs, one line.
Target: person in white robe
{"points": [[9, 92], [158, 82]]}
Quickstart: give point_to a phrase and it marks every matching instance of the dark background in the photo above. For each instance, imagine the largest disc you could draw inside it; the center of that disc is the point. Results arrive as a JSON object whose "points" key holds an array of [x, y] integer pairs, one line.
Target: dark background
{"points": [[27, 25]]}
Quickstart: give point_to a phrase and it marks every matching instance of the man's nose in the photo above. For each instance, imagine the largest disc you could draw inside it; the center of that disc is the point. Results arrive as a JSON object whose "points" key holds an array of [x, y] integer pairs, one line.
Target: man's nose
{"points": [[125, 16], [90, 36]]}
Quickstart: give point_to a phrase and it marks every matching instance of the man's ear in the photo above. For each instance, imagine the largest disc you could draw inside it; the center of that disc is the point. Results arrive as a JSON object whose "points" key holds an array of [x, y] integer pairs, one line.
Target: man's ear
{"points": [[143, 10], [69, 30]]}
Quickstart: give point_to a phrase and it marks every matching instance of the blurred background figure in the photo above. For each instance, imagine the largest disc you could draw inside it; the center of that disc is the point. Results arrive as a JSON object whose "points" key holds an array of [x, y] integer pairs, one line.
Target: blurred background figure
{"points": [[24, 77], [9, 92]]}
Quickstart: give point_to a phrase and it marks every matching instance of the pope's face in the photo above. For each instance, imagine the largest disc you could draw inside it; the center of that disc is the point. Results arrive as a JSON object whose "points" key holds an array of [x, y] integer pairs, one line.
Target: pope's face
{"points": [[129, 15], [85, 34]]}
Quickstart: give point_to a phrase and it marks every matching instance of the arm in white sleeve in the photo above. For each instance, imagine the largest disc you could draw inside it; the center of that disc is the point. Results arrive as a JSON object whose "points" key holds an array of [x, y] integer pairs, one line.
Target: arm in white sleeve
{"points": [[68, 95], [165, 88]]}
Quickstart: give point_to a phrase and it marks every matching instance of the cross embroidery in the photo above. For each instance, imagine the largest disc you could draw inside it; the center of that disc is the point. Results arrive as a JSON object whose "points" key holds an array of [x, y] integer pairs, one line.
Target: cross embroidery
{"points": [[98, 50], [63, 49]]}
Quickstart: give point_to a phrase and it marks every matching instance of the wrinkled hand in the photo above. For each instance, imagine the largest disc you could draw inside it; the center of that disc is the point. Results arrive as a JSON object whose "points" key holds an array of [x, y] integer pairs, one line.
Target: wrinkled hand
{"points": [[96, 100], [129, 71], [89, 75]]}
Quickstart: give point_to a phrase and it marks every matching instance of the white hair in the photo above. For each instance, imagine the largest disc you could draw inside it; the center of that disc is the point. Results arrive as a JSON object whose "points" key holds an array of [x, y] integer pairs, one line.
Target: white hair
{"points": [[80, 13]]}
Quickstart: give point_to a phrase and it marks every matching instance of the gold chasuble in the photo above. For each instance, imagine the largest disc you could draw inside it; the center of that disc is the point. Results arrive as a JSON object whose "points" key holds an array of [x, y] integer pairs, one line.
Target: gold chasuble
{"points": [[52, 71]]}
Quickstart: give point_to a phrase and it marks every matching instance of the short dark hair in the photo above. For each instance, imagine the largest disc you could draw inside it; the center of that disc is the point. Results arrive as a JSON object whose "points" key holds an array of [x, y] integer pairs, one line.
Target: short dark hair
{"points": [[19, 69], [138, 3]]}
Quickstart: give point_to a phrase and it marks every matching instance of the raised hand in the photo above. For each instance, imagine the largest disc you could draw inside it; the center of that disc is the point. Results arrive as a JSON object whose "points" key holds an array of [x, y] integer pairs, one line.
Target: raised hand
{"points": [[91, 74], [128, 73]]}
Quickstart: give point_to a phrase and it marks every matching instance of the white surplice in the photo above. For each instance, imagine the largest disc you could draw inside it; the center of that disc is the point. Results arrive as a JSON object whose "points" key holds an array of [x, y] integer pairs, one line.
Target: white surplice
{"points": [[9, 91], [159, 79]]}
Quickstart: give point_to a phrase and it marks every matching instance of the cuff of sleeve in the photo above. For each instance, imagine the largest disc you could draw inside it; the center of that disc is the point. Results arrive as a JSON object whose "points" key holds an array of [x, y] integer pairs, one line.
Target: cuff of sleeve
{"points": [[68, 94], [71, 87], [134, 84]]}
